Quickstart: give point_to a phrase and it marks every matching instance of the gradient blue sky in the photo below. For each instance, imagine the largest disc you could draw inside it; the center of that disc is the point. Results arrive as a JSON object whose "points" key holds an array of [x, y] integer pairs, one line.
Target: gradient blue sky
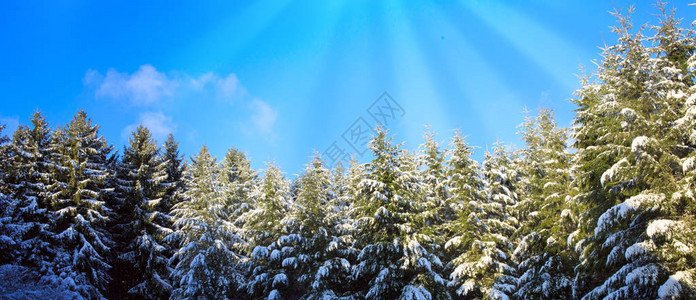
{"points": [[278, 79]]}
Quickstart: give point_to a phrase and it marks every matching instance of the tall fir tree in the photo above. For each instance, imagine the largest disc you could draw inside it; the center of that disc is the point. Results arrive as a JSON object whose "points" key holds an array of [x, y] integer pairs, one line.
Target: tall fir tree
{"points": [[545, 261], [500, 169], [82, 163], [142, 221], [310, 260], [270, 204], [629, 168], [263, 225], [239, 181], [206, 265], [31, 169], [432, 174], [10, 233], [174, 168], [465, 234], [392, 262], [485, 268]]}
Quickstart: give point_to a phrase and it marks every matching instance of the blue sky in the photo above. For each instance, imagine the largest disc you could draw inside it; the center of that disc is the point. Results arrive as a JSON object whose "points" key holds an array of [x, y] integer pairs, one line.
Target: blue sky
{"points": [[280, 79]]}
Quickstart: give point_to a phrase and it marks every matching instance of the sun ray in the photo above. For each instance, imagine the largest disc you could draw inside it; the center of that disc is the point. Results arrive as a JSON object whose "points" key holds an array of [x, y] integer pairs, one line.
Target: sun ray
{"points": [[540, 44], [482, 88], [413, 77]]}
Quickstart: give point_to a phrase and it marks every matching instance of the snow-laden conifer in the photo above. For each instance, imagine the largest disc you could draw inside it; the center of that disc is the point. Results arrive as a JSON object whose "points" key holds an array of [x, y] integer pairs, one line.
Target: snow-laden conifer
{"points": [[394, 261], [142, 220], [312, 259], [545, 261], [206, 264], [628, 158], [82, 164], [30, 177]]}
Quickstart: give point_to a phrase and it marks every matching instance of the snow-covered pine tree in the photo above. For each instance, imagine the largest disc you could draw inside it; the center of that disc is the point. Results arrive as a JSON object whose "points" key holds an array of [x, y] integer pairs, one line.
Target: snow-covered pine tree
{"points": [[270, 204], [81, 163], [545, 261], [5, 160], [263, 225], [465, 234], [673, 232], [30, 168], [206, 264], [392, 263], [500, 170], [142, 268], [629, 169], [346, 188], [174, 168], [239, 181], [10, 234], [309, 261], [432, 174], [485, 268]]}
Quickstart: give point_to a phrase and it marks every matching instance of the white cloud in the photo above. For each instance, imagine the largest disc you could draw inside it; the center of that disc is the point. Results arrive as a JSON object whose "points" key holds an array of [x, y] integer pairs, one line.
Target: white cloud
{"points": [[148, 87], [144, 87], [263, 116], [229, 86], [159, 125]]}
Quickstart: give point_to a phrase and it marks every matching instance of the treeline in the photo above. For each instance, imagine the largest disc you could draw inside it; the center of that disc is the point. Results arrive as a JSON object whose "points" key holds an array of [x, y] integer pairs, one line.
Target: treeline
{"points": [[612, 216]]}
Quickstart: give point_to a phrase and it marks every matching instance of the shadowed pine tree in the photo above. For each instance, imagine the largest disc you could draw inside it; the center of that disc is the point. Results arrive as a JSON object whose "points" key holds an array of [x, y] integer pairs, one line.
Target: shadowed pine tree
{"points": [[174, 168], [10, 233], [31, 174], [143, 223]]}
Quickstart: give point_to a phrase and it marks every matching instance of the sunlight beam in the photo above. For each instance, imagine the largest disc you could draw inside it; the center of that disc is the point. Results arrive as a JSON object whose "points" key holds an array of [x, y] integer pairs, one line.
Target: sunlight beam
{"points": [[547, 49]]}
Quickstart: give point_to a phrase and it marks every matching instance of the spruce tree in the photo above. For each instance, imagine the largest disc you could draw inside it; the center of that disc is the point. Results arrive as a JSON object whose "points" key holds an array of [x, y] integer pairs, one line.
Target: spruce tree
{"points": [[10, 233], [81, 163], [270, 204], [393, 263], [143, 262], [629, 174], [465, 234], [239, 181], [485, 269], [545, 261], [264, 224], [31, 172], [309, 261], [433, 178], [174, 170], [206, 265]]}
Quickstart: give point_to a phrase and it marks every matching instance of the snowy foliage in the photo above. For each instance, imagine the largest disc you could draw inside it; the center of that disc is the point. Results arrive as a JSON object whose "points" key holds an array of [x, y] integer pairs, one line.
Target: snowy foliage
{"points": [[208, 262]]}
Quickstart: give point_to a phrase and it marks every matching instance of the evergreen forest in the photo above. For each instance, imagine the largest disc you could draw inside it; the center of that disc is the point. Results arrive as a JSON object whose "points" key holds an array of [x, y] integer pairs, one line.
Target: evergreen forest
{"points": [[605, 209]]}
